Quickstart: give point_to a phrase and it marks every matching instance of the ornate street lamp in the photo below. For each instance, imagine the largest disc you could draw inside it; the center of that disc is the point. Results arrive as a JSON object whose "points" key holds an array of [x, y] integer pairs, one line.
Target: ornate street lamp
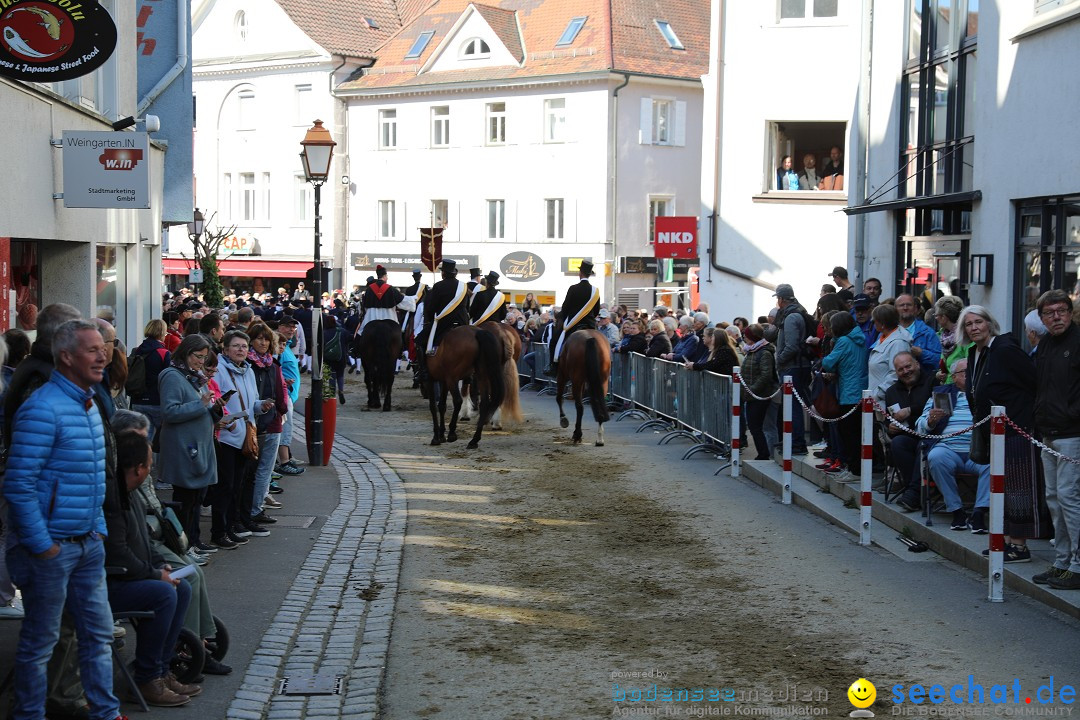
{"points": [[318, 149]]}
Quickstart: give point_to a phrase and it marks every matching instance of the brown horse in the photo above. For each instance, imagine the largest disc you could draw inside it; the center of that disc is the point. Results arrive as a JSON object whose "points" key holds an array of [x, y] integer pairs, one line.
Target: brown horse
{"points": [[465, 351], [586, 360], [511, 405]]}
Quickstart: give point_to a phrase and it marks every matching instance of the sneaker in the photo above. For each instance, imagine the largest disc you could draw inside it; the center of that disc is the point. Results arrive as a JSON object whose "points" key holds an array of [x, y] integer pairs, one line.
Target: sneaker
{"points": [[275, 489], [214, 667], [256, 530], [907, 505], [959, 520], [835, 467], [271, 502], [236, 538], [1043, 578], [206, 512], [196, 558], [263, 519], [341, 397], [275, 475], [240, 530], [821, 453], [205, 549], [13, 610], [289, 468], [1065, 581], [1013, 554], [156, 693], [225, 543], [977, 522], [295, 466], [825, 465], [180, 688], [118, 630]]}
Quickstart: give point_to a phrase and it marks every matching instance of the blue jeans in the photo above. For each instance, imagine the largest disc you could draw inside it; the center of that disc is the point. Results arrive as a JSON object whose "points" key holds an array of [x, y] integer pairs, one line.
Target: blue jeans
{"points": [[287, 426], [156, 638], [268, 445], [944, 464], [77, 574]]}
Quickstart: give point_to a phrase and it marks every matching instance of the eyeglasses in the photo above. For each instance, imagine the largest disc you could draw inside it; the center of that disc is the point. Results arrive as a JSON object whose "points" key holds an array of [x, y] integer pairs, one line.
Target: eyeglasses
{"points": [[1055, 312], [234, 346], [959, 372], [115, 342], [197, 356]]}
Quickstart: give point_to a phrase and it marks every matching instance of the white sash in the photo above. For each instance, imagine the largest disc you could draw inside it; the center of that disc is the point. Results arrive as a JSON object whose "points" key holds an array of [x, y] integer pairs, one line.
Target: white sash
{"points": [[373, 314], [575, 320], [459, 295], [495, 304]]}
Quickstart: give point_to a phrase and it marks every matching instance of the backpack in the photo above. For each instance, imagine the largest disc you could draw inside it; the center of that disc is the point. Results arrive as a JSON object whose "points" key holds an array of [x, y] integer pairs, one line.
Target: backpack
{"points": [[136, 379], [334, 351], [810, 326]]}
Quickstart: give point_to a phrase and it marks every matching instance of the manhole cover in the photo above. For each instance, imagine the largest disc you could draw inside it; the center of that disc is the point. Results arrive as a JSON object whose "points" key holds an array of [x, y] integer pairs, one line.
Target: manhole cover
{"points": [[294, 521], [310, 685]]}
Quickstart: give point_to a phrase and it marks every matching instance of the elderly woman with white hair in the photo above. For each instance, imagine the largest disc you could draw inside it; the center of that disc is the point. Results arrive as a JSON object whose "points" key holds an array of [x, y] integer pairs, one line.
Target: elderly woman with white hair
{"points": [[1034, 330], [1001, 373]]}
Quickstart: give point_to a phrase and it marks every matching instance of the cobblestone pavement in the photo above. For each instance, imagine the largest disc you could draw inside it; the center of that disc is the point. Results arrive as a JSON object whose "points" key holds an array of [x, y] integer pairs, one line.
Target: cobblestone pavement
{"points": [[336, 617]]}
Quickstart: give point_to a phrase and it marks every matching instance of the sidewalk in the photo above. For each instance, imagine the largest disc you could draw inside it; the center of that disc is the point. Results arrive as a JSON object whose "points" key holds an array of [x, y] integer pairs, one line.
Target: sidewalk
{"points": [[837, 502]]}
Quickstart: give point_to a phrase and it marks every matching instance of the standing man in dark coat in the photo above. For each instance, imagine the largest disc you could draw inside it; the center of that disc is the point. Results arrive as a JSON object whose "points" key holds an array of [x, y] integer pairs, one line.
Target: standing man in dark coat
{"points": [[489, 303], [578, 312]]}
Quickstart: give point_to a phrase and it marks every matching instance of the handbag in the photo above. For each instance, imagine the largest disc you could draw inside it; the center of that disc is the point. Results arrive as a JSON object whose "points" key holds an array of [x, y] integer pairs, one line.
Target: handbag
{"points": [[250, 446], [823, 398], [979, 451]]}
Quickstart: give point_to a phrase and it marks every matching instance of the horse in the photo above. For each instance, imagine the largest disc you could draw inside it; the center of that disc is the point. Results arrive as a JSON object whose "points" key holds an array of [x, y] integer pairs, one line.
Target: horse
{"points": [[586, 360], [378, 348], [465, 351], [511, 404]]}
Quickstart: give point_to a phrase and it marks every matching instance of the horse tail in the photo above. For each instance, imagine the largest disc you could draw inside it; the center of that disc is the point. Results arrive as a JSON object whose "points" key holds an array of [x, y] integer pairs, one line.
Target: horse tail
{"points": [[489, 363], [511, 405], [596, 381]]}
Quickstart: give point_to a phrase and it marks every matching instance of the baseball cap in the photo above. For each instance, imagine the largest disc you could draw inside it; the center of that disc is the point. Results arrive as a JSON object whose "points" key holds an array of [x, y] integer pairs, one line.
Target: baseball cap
{"points": [[839, 271], [784, 291], [862, 300], [288, 320]]}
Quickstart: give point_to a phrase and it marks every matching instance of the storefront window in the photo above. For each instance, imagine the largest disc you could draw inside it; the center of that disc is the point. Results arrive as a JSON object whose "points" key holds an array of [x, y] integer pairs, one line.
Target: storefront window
{"points": [[26, 281], [109, 288], [1048, 251]]}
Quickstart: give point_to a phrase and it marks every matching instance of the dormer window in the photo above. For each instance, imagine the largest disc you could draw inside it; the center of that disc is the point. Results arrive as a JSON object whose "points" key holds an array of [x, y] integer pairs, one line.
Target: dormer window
{"points": [[571, 31], [475, 48], [669, 35]]}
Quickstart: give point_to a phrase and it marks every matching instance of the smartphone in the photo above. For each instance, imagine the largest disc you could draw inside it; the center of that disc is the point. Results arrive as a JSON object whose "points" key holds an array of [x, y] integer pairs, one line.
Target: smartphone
{"points": [[227, 396]]}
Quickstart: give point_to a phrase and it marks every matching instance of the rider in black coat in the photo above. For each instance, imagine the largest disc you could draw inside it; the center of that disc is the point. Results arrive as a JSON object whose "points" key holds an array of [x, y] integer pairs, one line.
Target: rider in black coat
{"points": [[445, 293], [578, 297], [483, 299]]}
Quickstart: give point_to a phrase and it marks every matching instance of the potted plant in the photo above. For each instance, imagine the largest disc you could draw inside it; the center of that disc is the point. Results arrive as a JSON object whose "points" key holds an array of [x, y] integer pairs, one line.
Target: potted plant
{"points": [[329, 417]]}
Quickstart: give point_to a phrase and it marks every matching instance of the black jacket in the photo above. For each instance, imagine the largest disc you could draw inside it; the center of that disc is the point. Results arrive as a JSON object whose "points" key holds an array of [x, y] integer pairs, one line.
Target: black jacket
{"points": [[722, 362], [128, 544], [441, 295], [480, 302], [33, 372], [380, 294], [1005, 376], [633, 344], [659, 345], [577, 297], [914, 398], [1057, 379], [156, 358]]}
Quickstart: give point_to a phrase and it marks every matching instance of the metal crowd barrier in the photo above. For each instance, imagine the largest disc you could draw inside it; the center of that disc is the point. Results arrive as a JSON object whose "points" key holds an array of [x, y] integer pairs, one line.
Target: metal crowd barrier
{"points": [[542, 383]]}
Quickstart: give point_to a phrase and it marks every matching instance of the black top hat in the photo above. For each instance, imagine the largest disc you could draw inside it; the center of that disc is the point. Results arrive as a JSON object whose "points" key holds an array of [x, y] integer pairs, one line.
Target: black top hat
{"points": [[586, 268], [369, 280], [380, 271], [448, 265], [492, 278], [417, 271], [474, 272]]}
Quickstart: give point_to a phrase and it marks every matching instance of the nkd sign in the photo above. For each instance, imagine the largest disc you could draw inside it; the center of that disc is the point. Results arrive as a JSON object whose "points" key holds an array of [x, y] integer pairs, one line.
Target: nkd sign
{"points": [[676, 237]]}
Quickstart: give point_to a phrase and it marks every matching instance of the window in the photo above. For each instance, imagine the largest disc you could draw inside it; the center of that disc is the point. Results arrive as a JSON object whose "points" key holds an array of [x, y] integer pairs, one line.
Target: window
{"points": [[663, 122], [264, 197], [387, 129], [554, 218], [245, 110], [420, 45], [555, 120], [370, 22], [440, 126], [672, 39], [302, 100], [496, 219], [303, 200], [241, 27], [808, 9], [440, 213], [387, 220], [1048, 251], [816, 151], [475, 48], [658, 207], [246, 211], [496, 123], [571, 31], [227, 196]]}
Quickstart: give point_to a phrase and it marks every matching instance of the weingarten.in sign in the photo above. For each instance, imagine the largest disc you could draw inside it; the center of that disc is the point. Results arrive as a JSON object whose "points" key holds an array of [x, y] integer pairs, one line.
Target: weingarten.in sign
{"points": [[106, 169], [49, 40]]}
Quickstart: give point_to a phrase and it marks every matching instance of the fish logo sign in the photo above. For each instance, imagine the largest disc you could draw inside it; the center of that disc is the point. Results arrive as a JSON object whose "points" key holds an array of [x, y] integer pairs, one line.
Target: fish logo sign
{"points": [[120, 158], [50, 40]]}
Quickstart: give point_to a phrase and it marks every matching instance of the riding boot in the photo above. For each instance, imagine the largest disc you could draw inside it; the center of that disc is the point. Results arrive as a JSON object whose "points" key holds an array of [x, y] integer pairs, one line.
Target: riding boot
{"points": [[421, 369], [552, 370]]}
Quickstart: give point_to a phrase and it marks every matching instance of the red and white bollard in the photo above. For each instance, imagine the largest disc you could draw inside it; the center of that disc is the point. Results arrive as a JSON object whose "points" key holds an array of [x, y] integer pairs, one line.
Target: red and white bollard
{"points": [[997, 503], [736, 415], [786, 497], [866, 468]]}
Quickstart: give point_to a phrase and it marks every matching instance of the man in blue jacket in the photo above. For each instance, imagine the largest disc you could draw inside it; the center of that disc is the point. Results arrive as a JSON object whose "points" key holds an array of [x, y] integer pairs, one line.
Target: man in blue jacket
{"points": [[55, 487]]}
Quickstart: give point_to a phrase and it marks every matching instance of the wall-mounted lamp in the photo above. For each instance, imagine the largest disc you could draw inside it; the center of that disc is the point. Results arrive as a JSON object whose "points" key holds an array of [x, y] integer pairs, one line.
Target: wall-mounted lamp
{"points": [[982, 270]]}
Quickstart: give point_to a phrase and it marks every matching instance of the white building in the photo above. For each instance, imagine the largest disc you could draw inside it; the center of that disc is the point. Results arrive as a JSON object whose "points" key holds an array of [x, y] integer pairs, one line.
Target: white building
{"points": [[103, 260], [263, 71], [783, 80], [538, 133], [970, 151]]}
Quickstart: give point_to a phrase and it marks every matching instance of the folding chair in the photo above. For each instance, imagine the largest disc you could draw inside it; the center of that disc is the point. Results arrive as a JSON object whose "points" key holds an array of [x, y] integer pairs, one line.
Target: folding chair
{"points": [[893, 483]]}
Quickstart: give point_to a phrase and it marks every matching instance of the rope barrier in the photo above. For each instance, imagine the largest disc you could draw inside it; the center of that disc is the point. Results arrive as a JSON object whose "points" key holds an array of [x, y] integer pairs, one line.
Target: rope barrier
{"points": [[901, 426], [758, 397], [1022, 433], [813, 413]]}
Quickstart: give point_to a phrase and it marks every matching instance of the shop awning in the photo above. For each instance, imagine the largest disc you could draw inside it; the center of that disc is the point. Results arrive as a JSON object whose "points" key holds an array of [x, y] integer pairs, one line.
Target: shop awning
{"points": [[243, 268], [956, 200]]}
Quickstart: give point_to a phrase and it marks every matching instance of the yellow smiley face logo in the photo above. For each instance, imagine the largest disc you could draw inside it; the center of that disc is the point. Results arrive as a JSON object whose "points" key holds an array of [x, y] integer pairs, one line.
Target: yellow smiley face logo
{"points": [[862, 693]]}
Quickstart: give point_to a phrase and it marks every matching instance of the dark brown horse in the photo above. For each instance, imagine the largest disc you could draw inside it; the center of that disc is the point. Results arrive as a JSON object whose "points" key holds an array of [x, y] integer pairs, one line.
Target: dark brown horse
{"points": [[463, 352], [586, 361], [379, 348]]}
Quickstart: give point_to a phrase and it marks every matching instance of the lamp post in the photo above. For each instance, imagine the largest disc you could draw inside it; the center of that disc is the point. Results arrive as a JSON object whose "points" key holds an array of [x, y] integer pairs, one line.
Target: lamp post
{"points": [[195, 231], [318, 149]]}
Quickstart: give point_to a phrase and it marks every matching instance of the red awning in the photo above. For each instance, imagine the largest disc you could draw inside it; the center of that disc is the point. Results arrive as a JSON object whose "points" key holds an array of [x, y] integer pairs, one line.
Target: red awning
{"points": [[243, 268]]}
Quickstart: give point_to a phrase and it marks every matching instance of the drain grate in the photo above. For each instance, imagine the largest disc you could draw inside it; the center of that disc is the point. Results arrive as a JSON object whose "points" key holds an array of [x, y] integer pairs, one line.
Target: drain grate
{"points": [[317, 684], [294, 521]]}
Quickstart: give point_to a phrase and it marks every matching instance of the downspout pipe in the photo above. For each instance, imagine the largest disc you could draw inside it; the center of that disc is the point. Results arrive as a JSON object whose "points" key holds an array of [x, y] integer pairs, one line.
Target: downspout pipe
{"points": [[183, 10], [862, 156], [614, 135]]}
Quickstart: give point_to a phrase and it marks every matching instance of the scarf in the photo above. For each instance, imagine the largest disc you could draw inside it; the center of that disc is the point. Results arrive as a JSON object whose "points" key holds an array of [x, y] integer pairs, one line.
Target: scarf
{"points": [[194, 377], [948, 342], [756, 346], [263, 361]]}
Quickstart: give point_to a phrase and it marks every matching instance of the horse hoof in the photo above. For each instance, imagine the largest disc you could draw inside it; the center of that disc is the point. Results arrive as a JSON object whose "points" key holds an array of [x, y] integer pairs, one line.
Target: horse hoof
{"points": [[564, 422], [472, 445], [386, 409], [452, 437], [599, 444], [437, 440]]}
